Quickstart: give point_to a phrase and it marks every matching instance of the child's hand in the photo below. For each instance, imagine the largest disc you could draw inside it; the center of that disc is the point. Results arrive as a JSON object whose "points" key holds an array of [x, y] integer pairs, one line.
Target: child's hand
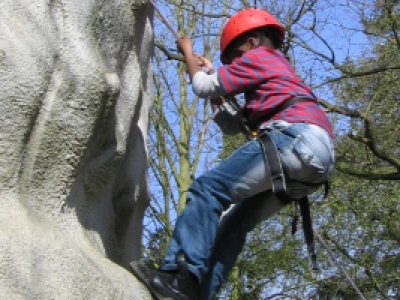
{"points": [[184, 45], [205, 63]]}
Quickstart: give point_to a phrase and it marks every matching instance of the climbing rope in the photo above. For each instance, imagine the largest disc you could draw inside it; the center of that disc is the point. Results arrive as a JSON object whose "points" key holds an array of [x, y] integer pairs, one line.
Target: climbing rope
{"points": [[165, 21], [334, 263]]}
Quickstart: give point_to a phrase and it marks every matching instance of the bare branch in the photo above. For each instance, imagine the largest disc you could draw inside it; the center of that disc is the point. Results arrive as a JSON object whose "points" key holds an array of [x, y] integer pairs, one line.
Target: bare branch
{"points": [[377, 174], [168, 53], [349, 74], [372, 145], [340, 110]]}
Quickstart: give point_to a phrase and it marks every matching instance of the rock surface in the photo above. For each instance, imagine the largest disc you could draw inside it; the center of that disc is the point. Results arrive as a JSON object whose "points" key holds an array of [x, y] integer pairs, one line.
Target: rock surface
{"points": [[75, 89]]}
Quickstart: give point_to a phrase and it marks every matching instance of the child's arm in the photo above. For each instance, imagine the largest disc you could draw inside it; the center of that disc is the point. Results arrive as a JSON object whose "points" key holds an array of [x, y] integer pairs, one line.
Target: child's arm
{"points": [[191, 60], [204, 83]]}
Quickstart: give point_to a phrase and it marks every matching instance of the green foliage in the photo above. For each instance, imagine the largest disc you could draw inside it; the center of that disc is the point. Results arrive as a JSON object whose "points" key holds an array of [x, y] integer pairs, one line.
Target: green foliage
{"points": [[231, 143], [372, 145], [361, 225], [359, 221]]}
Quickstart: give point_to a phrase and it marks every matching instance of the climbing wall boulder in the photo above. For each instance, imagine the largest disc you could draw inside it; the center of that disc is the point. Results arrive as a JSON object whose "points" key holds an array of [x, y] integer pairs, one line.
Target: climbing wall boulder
{"points": [[75, 89]]}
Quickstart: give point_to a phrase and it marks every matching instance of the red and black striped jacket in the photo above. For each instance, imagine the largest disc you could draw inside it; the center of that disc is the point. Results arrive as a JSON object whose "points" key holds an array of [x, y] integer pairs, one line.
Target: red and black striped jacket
{"points": [[267, 80]]}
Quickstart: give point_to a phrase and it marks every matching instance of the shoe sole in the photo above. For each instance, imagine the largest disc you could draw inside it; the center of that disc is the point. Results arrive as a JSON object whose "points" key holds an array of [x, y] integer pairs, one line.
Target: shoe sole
{"points": [[145, 276]]}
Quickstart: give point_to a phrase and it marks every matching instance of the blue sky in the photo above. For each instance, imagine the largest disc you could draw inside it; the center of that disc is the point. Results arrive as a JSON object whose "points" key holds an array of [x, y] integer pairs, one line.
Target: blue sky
{"points": [[336, 22]]}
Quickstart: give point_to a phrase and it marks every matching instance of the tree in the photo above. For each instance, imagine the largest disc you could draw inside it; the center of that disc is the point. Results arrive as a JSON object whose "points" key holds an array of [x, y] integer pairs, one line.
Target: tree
{"points": [[358, 221], [365, 188], [369, 95], [367, 196], [180, 139]]}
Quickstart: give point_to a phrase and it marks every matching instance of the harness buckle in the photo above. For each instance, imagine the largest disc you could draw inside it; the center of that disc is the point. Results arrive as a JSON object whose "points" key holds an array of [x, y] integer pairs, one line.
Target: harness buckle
{"points": [[278, 183]]}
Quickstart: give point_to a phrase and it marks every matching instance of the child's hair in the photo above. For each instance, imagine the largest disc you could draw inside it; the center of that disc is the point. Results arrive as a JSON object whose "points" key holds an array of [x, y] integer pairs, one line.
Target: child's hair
{"points": [[273, 35], [262, 34]]}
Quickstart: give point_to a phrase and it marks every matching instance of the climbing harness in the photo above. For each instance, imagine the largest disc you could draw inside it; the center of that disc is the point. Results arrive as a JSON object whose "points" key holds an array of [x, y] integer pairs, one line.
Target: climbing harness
{"points": [[274, 168]]}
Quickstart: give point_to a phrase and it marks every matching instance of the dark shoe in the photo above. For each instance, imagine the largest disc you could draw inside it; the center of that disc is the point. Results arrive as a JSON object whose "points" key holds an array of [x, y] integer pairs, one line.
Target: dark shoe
{"points": [[145, 275], [176, 285], [179, 285]]}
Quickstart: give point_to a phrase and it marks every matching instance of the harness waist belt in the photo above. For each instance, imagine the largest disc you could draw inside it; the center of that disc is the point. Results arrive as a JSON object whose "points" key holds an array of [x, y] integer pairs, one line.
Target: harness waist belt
{"points": [[282, 107]]}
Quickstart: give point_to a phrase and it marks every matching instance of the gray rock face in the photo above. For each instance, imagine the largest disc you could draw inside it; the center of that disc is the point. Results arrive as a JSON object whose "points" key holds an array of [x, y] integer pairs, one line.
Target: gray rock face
{"points": [[75, 88]]}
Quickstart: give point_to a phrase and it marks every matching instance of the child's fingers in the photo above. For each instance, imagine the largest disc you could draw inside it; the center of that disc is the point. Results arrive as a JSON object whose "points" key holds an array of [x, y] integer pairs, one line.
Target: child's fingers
{"points": [[207, 63]]}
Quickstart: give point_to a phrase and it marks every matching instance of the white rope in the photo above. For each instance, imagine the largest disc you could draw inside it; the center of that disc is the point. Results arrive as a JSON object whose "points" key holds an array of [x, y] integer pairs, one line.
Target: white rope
{"points": [[334, 262], [165, 21]]}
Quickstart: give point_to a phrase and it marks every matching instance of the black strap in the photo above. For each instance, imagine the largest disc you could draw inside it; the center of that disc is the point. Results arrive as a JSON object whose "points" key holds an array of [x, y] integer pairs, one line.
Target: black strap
{"points": [[273, 165], [308, 231]]}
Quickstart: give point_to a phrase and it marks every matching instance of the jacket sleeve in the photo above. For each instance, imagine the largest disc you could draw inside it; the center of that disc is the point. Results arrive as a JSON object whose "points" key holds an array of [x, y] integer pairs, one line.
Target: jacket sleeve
{"points": [[206, 86], [244, 73]]}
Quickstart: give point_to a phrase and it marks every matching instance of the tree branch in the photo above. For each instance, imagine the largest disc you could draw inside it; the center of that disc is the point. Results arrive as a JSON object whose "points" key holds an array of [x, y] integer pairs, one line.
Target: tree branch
{"points": [[340, 110], [372, 145], [168, 53], [378, 174]]}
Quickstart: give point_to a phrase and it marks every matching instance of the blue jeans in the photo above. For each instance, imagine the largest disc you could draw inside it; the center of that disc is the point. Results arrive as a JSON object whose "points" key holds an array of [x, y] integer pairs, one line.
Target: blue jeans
{"points": [[243, 179]]}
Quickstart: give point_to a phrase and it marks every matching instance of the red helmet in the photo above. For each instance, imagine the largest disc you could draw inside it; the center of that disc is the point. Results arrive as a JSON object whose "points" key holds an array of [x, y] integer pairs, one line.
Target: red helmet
{"points": [[245, 21]]}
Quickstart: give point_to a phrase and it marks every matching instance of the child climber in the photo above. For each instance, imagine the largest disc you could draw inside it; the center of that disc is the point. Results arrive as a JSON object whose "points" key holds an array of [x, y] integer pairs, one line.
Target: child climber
{"points": [[277, 104]]}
